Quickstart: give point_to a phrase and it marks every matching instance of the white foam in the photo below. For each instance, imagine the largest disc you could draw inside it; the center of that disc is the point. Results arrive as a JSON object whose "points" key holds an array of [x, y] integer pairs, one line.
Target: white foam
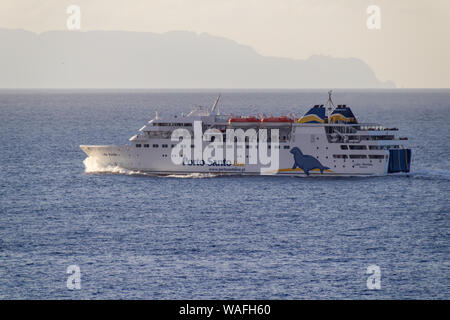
{"points": [[192, 175], [93, 166]]}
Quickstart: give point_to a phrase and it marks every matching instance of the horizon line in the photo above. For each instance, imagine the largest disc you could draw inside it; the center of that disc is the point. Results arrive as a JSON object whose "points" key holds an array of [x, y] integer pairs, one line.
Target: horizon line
{"points": [[225, 89]]}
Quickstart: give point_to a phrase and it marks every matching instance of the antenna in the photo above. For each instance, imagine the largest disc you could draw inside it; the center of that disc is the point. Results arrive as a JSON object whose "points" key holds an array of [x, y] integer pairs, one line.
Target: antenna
{"points": [[156, 114], [215, 104], [330, 105]]}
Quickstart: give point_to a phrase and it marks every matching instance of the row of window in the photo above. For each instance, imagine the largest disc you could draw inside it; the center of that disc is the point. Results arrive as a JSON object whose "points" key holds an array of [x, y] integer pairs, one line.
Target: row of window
{"points": [[358, 147], [353, 147], [138, 145], [176, 124], [358, 156]]}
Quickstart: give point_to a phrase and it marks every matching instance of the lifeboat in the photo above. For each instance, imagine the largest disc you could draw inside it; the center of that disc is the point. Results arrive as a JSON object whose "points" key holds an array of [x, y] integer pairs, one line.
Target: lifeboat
{"points": [[276, 121], [244, 121]]}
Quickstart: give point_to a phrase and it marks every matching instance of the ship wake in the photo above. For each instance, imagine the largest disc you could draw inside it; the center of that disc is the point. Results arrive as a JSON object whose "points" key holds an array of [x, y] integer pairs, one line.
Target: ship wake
{"points": [[195, 175], [431, 174], [93, 166]]}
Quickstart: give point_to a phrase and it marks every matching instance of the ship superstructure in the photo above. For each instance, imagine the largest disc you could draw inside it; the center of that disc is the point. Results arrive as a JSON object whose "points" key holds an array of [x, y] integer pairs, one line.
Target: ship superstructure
{"points": [[325, 141]]}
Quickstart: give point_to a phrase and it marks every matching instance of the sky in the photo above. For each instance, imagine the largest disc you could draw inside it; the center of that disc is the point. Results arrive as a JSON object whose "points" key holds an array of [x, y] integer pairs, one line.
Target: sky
{"points": [[411, 47]]}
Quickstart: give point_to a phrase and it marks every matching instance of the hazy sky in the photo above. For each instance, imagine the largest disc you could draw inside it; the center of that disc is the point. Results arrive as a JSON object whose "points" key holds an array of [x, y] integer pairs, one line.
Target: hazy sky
{"points": [[412, 48]]}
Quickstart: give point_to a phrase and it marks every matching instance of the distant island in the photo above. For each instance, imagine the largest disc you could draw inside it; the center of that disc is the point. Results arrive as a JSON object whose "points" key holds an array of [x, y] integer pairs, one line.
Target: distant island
{"points": [[178, 59]]}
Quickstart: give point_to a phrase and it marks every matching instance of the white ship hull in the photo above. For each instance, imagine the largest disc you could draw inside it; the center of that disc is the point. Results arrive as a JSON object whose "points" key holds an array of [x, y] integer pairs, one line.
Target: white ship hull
{"points": [[158, 161], [305, 149], [124, 157]]}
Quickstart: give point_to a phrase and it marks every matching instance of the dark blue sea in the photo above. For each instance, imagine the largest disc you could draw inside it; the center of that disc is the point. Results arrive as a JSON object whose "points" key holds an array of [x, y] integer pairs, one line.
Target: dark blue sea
{"points": [[137, 236]]}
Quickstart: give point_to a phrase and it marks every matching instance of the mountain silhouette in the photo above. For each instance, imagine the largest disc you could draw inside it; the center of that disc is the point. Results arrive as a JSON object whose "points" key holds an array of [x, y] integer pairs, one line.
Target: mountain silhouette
{"points": [[177, 59]]}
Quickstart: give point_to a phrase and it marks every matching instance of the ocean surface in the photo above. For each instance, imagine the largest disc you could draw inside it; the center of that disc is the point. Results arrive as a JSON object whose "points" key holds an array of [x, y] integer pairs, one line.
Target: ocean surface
{"points": [[137, 236]]}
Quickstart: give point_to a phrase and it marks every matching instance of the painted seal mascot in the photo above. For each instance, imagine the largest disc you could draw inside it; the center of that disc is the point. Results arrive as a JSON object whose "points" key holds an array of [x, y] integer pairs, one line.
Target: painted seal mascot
{"points": [[306, 162]]}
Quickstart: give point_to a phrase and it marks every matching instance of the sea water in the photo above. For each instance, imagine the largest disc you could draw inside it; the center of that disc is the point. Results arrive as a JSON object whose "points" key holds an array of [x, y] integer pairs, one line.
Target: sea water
{"points": [[140, 236]]}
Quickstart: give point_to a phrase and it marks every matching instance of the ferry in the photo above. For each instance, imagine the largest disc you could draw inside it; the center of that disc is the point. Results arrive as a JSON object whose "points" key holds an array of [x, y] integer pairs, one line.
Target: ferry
{"points": [[325, 141]]}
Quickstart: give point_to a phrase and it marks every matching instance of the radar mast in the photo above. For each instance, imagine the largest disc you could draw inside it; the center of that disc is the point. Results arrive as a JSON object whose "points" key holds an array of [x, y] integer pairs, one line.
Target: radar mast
{"points": [[215, 104], [330, 105]]}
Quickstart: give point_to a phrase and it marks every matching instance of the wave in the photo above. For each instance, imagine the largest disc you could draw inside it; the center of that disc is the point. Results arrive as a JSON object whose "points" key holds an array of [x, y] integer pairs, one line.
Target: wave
{"points": [[431, 174], [92, 166], [192, 175]]}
